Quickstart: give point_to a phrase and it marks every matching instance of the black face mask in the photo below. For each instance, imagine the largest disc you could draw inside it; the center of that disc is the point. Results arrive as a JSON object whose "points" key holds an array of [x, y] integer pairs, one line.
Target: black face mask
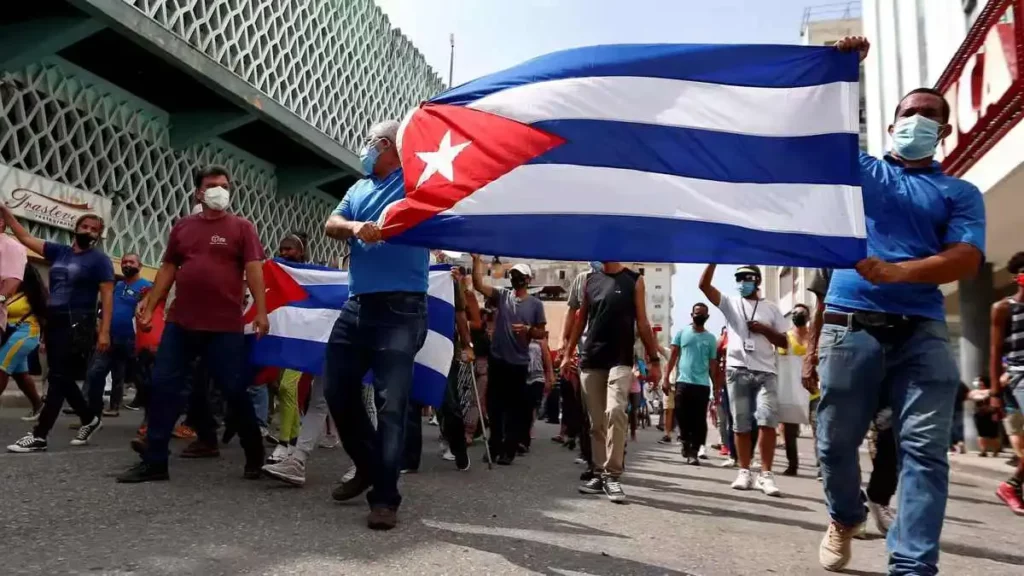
{"points": [[700, 319], [129, 271], [517, 280], [800, 320], [84, 240]]}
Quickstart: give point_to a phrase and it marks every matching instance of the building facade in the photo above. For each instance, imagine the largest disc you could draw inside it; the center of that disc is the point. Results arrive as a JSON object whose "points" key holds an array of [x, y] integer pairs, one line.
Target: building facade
{"points": [[278, 91]]}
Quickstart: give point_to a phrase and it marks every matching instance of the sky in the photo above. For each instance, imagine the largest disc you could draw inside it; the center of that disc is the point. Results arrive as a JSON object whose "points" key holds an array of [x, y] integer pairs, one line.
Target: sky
{"points": [[492, 35]]}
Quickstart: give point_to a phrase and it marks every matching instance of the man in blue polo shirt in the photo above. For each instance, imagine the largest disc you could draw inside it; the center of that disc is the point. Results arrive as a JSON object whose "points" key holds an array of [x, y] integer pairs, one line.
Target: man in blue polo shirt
{"points": [[381, 327], [884, 335], [115, 359]]}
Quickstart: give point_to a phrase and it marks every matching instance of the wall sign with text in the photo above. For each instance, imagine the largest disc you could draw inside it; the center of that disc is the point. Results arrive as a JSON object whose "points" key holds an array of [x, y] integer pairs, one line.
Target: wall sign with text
{"points": [[43, 200]]}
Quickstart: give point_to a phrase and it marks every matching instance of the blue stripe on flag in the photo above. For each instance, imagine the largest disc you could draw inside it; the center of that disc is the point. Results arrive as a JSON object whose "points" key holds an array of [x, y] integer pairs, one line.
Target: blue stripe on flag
{"points": [[768, 66], [694, 153], [302, 355], [634, 239], [323, 296]]}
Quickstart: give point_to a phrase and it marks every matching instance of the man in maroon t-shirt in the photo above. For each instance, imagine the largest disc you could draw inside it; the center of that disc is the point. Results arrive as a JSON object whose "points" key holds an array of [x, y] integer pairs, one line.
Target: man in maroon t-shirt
{"points": [[209, 256]]}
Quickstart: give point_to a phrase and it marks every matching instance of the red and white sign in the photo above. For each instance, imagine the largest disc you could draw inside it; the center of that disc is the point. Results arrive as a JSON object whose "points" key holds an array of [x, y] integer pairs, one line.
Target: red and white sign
{"points": [[979, 84]]}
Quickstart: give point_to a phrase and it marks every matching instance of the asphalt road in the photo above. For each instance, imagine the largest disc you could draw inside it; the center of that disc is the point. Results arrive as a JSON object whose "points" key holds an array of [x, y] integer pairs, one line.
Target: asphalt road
{"points": [[62, 513]]}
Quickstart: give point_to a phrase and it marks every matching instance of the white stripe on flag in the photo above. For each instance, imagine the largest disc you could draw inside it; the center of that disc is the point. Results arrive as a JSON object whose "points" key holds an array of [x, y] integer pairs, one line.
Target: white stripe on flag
{"points": [[311, 277], [313, 324], [820, 209], [749, 110], [436, 353]]}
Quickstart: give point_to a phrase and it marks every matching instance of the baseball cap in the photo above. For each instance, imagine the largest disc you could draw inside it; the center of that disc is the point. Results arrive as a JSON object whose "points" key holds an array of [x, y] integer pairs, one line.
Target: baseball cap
{"points": [[748, 269], [522, 269]]}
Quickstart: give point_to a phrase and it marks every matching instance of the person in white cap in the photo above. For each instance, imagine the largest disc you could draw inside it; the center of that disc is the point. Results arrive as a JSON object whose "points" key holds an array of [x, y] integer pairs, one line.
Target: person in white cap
{"points": [[756, 328], [519, 319]]}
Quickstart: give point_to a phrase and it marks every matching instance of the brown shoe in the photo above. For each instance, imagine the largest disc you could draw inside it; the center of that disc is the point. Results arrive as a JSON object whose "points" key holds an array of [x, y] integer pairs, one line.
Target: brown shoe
{"points": [[382, 518], [200, 449]]}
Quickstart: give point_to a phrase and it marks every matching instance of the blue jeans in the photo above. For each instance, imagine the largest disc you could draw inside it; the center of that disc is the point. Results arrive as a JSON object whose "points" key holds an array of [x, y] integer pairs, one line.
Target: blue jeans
{"points": [[114, 362], [380, 332], [260, 397], [226, 360], [915, 370]]}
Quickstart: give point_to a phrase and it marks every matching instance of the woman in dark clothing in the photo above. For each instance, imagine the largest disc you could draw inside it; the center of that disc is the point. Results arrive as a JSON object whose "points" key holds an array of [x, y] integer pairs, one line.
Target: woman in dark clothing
{"points": [[78, 274]]}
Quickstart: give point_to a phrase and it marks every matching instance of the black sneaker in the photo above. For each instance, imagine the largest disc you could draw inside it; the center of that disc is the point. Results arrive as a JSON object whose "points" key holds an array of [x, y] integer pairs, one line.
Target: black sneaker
{"points": [[613, 490], [503, 460], [86, 432], [144, 472], [462, 461], [665, 440], [593, 486], [349, 489], [133, 406], [28, 443], [588, 475]]}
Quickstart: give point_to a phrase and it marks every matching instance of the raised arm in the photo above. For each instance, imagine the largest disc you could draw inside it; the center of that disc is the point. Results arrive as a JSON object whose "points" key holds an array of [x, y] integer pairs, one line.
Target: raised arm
{"points": [[29, 241], [478, 278], [705, 285]]}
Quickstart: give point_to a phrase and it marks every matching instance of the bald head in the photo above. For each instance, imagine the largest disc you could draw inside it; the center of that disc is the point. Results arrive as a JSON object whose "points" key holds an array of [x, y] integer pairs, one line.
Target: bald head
{"points": [[381, 141]]}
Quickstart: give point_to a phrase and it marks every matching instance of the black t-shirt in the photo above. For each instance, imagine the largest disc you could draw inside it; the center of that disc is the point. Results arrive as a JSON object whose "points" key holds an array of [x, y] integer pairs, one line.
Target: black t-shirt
{"points": [[611, 320]]}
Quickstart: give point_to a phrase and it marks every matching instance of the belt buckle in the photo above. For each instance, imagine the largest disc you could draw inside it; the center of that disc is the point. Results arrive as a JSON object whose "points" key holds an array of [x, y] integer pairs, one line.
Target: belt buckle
{"points": [[873, 319]]}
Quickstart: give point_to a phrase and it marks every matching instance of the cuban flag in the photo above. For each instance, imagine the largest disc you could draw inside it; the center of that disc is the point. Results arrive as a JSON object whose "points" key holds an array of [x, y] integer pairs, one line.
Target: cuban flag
{"points": [[665, 153], [303, 303]]}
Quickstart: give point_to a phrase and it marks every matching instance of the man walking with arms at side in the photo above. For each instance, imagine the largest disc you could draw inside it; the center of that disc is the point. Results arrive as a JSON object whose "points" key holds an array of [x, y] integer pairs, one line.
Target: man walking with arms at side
{"points": [[381, 327], [207, 256], [884, 332], [756, 328], [613, 310], [695, 350]]}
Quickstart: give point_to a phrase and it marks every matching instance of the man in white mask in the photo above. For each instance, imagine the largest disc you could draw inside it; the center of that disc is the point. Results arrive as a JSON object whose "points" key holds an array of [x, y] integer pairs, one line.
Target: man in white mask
{"points": [[209, 256]]}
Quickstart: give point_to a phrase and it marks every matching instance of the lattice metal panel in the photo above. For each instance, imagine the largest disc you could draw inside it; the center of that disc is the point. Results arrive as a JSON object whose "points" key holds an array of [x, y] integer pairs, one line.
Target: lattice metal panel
{"points": [[66, 129], [337, 64]]}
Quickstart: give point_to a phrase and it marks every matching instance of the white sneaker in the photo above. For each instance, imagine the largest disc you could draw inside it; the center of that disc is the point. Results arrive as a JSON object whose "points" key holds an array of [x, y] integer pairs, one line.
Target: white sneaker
{"points": [[728, 463], [744, 480], [290, 470], [835, 550], [882, 515], [702, 453], [447, 455], [329, 441], [278, 455], [766, 483]]}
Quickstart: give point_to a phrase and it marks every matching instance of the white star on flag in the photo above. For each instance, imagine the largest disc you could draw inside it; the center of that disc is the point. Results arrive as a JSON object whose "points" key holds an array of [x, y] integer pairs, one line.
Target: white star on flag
{"points": [[441, 161]]}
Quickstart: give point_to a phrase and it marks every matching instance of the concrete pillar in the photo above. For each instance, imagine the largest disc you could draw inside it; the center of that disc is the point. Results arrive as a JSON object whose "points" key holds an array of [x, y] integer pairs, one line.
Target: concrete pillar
{"points": [[975, 304]]}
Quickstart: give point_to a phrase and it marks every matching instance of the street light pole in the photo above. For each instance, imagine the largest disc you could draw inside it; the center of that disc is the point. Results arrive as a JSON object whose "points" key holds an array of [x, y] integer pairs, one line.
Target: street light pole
{"points": [[451, 59]]}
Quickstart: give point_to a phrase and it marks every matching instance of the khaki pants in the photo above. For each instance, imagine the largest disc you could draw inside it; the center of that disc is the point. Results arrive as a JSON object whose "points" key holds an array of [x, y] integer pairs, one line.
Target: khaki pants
{"points": [[606, 393]]}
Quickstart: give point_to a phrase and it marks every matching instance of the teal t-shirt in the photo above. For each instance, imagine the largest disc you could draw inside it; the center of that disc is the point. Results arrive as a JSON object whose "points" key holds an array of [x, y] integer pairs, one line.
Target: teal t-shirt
{"points": [[697, 350]]}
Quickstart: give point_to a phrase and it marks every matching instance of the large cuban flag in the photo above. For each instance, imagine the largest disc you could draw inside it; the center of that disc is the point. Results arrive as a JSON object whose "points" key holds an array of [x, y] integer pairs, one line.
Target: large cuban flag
{"points": [[303, 303], [681, 153]]}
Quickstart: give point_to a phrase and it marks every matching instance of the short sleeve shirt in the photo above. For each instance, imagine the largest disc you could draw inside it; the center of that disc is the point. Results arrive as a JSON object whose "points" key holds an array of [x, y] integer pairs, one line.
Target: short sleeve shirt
{"points": [[126, 298], [911, 213], [738, 311], [75, 278], [211, 255], [697, 351], [384, 266], [13, 258], [820, 279], [506, 345]]}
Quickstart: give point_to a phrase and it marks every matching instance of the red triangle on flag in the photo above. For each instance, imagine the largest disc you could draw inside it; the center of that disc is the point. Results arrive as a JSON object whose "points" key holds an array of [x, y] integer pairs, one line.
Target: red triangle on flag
{"points": [[450, 152], [281, 288]]}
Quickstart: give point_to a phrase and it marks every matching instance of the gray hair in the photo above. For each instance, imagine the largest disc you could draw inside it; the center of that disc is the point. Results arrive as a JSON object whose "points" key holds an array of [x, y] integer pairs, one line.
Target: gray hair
{"points": [[386, 129]]}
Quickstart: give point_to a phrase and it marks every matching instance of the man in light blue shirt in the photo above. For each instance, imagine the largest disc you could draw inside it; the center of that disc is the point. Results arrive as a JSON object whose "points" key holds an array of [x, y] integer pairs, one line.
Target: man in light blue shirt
{"points": [[381, 327], [694, 350], [883, 334]]}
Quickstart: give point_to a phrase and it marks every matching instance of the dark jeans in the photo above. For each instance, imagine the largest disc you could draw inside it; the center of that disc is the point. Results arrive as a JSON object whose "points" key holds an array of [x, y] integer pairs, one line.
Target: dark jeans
{"points": [[227, 361], [506, 405], [634, 410], [114, 362], [534, 399], [884, 475], [380, 332], [67, 339], [453, 427], [413, 437], [144, 378], [550, 411], [200, 413], [790, 434], [691, 415]]}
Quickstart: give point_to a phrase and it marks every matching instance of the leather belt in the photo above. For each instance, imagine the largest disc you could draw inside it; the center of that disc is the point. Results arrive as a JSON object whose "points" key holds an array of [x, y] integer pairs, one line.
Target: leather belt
{"points": [[861, 320]]}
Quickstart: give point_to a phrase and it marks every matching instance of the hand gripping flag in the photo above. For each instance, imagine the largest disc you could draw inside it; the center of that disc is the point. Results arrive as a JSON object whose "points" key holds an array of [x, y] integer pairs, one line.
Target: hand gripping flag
{"points": [[303, 303], [679, 153]]}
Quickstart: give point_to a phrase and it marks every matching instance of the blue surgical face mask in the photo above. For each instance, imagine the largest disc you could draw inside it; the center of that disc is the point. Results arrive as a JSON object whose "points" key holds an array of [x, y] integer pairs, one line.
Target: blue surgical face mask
{"points": [[746, 288], [368, 158], [915, 138], [595, 266]]}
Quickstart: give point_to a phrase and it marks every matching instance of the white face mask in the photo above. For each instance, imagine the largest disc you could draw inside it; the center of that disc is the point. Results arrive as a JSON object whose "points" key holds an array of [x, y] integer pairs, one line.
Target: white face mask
{"points": [[216, 198]]}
